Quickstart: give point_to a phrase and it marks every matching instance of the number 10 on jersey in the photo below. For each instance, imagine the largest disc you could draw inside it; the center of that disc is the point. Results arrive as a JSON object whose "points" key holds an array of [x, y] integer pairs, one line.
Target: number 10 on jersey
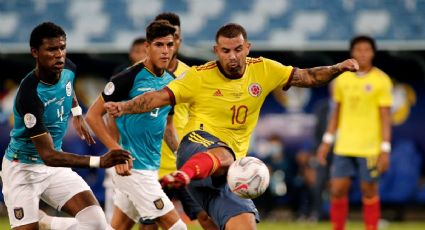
{"points": [[239, 114]]}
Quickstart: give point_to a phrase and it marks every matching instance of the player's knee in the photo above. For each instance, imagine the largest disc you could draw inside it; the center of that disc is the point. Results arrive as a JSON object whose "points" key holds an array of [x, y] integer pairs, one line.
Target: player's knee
{"points": [[91, 218], [339, 192], [179, 225], [202, 216], [223, 155]]}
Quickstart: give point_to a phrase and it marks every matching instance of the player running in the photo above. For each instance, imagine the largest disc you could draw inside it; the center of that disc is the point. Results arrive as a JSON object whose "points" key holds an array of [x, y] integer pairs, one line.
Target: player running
{"points": [[139, 196], [225, 98], [33, 166]]}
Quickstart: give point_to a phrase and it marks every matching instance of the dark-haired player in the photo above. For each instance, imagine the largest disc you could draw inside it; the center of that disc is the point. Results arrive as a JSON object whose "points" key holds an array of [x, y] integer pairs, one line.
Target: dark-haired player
{"points": [[225, 97], [34, 166], [139, 196], [362, 119]]}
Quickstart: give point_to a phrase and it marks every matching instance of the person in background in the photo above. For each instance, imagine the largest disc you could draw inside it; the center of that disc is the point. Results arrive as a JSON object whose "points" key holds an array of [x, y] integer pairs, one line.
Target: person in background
{"points": [[137, 53], [360, 125]]}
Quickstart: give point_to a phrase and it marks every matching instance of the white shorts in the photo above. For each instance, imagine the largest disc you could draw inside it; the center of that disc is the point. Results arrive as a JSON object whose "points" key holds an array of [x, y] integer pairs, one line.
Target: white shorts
{"points": [[25, 184], [140, 196]]}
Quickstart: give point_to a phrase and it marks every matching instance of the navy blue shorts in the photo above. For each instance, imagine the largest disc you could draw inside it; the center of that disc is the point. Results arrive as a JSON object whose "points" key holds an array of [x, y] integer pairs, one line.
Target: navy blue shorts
{"points": [[344, 166], [212, 193], [190, 206]]}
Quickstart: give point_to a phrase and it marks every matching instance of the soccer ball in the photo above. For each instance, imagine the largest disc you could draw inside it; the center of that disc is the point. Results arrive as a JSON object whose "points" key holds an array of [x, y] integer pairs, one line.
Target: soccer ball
{"points": [[248, 177]]}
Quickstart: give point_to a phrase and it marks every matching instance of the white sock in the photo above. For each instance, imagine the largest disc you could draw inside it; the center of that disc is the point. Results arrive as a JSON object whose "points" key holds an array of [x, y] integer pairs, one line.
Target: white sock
{"points": [[92, 218], [179, 225], [47, 222], [63, 223]]}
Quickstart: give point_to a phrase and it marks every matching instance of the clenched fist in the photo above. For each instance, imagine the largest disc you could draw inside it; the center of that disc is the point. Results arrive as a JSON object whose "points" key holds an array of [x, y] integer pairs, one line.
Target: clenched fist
{"points": [[114, 108], [114, 157], [348, 65]]}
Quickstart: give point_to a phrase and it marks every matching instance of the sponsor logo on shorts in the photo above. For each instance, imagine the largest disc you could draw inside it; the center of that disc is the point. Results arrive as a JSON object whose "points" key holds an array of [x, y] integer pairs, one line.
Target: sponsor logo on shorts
{"points": [[159, 204], [29, 120], [19, 213]]}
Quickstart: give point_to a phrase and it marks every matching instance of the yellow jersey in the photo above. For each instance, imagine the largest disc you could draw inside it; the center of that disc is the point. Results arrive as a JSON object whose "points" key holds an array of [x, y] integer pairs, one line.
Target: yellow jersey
{"points": [[360, 97], [180, 119], [228, 108]]}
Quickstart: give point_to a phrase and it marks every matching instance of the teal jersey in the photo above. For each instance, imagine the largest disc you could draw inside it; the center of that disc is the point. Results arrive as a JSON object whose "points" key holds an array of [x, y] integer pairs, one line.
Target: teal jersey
{"points": [[140, 134], [40, 108]]}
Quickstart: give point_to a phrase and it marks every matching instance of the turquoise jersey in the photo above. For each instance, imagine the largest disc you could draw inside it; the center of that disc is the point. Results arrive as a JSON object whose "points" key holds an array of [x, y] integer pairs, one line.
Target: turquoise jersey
{"points": [[40, 108], [140, 134]]}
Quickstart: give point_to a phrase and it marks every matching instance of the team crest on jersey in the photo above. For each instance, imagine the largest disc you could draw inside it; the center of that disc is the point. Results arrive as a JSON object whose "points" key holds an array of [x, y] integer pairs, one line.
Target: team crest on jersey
{"points": [[109, 88], [368, 88], [255, 89], [29, 120], [68, 89], [159, 204], [19, 213]]}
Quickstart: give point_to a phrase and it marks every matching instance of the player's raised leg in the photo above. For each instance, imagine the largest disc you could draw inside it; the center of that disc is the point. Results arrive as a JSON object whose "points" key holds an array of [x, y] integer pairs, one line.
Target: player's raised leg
{"points": [[203, 160]]}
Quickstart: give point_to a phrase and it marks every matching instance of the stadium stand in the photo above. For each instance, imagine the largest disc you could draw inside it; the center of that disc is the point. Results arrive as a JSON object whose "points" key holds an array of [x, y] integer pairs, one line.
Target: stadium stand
{"points": [[113, 22]]}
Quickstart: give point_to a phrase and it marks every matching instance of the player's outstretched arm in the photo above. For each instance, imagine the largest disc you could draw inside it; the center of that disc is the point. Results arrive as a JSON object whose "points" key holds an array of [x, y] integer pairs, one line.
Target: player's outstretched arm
{"points": [[319, 76], [51, 157], [140, 104]]}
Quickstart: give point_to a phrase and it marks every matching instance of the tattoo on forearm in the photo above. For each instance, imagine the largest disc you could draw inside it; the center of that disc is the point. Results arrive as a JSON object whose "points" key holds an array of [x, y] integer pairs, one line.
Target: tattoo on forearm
{"points": [[138, 105], [315, 76]]}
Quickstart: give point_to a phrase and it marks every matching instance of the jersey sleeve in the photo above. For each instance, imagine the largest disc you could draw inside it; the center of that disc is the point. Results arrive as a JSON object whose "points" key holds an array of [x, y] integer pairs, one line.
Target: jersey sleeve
{"points": [[281, 74], [30, 108], [185, 87], [385, 97], [118, 88]]}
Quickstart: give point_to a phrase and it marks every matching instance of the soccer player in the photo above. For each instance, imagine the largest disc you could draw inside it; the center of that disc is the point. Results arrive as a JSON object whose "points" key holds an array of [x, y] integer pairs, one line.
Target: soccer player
{"points": [[360, 124], [139, 196], [224, 99], [137, 53], [33, 166], [181, 117]]}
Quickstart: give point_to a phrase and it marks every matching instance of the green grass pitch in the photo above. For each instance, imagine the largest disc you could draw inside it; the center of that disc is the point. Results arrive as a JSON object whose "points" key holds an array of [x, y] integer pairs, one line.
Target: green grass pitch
{"points": [[268, 225]]}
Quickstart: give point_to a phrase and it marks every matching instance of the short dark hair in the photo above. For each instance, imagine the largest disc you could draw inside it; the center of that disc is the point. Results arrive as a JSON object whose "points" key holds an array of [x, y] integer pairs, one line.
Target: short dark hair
{"points": [[362, 38], [171, 17], [158, 29], [231, 30], [45, 30], [138, 41]]}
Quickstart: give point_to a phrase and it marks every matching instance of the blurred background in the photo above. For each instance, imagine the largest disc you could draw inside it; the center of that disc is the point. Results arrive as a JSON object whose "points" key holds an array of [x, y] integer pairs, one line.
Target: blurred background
{"points": [[300, 33]]}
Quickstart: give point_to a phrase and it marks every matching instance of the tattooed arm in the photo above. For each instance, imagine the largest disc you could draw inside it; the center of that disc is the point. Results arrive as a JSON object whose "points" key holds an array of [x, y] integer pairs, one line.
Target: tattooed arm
{"points": [[319, 76], [140, 104]]}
